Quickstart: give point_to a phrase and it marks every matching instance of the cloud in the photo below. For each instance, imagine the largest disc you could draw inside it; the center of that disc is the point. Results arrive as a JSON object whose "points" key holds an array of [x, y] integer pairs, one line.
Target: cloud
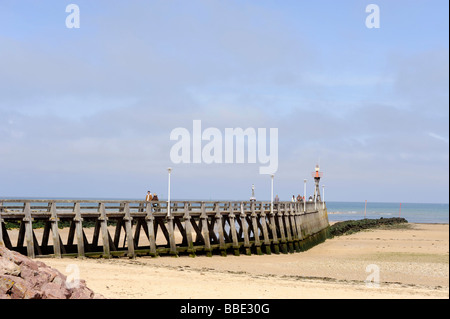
{"points": [[100, 104], [438, 137]]}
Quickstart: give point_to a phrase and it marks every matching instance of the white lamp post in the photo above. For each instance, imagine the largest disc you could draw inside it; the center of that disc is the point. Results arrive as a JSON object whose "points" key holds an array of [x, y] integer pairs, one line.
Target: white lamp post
{"points": [[271, 193], [304, 195], [168, 192], [323, 196]]}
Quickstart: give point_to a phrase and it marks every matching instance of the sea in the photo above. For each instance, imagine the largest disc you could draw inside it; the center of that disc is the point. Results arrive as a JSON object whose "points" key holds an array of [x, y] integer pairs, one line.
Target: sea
{"points": [[412, 212]]}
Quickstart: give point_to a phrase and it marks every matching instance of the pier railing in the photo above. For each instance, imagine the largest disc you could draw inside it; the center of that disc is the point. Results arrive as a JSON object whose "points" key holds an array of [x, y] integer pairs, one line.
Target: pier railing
{"points": [[108, 228]]}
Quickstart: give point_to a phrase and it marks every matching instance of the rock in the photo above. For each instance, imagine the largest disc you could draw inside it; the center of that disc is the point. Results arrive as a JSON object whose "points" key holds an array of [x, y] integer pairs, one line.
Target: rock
{"points": [[25, 278], [7, 267], [6, 284]]}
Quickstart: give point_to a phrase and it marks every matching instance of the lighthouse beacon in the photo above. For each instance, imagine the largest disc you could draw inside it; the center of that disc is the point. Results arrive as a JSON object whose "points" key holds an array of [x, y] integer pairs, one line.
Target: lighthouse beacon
{"points": [[317, 175]]}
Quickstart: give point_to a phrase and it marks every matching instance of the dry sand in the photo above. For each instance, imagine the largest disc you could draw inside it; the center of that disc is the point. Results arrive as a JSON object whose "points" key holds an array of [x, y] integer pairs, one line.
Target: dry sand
{"points": [[412, 263]]}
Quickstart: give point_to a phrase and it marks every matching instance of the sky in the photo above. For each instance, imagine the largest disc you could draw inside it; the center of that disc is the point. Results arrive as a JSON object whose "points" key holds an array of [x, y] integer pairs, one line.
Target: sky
{"points": [[88, 112]]}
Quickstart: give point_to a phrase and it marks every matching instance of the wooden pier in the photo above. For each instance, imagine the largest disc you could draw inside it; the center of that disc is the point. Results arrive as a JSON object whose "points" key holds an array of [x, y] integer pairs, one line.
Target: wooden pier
{"points": [[109, 228]]}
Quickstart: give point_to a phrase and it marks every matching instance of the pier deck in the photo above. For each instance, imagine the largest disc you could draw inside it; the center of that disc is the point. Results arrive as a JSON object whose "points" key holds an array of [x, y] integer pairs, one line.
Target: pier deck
{"points": [[109, 228]]}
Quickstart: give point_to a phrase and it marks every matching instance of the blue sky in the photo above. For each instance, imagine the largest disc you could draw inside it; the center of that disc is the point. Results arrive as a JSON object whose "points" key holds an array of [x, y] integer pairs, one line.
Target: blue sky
{"points": [[88, 112]]}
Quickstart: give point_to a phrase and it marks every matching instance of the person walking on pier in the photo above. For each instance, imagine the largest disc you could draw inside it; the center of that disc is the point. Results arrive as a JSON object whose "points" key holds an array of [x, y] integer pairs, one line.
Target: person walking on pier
{"points": [[276, 200], [149, 197]]}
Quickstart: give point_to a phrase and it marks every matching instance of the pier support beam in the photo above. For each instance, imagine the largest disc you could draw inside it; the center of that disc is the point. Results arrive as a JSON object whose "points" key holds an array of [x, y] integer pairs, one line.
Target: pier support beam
{"points": [[234, 238], [283, 241], [188, 229], [263, 222], [104, 229], [150, 219], [205, 231], [244, 224], [27, 220], [128, 231], [255, 230], [79, 230], [219, 225]]}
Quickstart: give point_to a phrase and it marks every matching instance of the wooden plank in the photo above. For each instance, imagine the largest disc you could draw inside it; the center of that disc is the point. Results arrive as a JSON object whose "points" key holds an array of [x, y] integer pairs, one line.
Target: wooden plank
{"points": [[288, 228], [198, 232], [281, 227], [79, 229], [55, 232], [188, 228], [160, 222], [266, 235], [212, 235], [255, 229], [151, 229], [28, 221], [128, 228], [234, 236], [219, 225], [104, 229], [294, 227], [170, 226], [205, 231], [245, 230], [298, 221], [181, 229]]}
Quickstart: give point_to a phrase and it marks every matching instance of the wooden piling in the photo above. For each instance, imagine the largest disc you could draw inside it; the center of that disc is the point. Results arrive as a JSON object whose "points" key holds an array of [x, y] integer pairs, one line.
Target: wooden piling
{"points": [[273, 229], [255, 229], [283, 241], [205, 231], [172, 243], [104, 229], [79, 230], [266, 235], [293, 227], [244, 225], [28, 229], [219, 225], [188, 228], [150, 219], [128, 232], [234, 237]]}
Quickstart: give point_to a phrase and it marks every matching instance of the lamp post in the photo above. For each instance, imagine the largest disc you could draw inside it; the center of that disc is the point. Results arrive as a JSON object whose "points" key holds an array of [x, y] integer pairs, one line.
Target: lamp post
{"points": [[323, 196], [304, 195], [168, 192], [271, 193]]}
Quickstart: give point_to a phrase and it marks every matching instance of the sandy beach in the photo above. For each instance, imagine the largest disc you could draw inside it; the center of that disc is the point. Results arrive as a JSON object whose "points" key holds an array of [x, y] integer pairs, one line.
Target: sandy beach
{"points": [[411, 262]]}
